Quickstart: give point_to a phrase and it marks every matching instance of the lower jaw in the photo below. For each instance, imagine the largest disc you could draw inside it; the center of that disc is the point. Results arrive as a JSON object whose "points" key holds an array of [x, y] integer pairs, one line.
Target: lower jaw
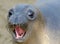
{"points": [[20, 40], [20, 37]]}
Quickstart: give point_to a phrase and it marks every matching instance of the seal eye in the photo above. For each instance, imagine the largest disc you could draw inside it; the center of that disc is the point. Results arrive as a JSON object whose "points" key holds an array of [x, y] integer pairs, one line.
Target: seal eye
{"points": [[30, 15], [10, 12]]}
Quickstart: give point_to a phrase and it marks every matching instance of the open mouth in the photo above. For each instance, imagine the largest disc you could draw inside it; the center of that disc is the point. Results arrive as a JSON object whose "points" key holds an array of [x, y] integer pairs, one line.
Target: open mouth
{"points": [[19, 31]]}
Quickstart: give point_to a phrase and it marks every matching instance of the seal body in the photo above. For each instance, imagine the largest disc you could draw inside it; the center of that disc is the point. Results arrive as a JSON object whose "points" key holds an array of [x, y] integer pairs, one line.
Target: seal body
{"points": [[50, 10]]}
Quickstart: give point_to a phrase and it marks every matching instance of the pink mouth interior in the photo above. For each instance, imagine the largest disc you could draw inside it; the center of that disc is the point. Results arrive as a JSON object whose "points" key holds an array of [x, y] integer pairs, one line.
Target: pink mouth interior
{"points": [[19, 32]]}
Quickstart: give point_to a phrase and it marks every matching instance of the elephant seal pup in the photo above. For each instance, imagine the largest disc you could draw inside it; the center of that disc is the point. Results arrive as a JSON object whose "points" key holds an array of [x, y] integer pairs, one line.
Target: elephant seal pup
{"points": [[23, 22], [38, 24]]}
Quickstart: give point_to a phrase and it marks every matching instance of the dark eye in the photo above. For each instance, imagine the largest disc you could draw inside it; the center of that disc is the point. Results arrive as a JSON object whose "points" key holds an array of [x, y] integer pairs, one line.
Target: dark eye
{"points": [[31, 14], [10, 12]]}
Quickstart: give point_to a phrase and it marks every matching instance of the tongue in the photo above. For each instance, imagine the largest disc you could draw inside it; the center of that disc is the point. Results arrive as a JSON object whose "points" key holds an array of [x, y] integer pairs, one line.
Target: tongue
{"points": [[19, 32]]}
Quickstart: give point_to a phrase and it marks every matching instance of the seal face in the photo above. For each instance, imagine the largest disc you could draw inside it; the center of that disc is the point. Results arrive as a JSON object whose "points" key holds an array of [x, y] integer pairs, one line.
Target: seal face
{"points": [[19, 18]]}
